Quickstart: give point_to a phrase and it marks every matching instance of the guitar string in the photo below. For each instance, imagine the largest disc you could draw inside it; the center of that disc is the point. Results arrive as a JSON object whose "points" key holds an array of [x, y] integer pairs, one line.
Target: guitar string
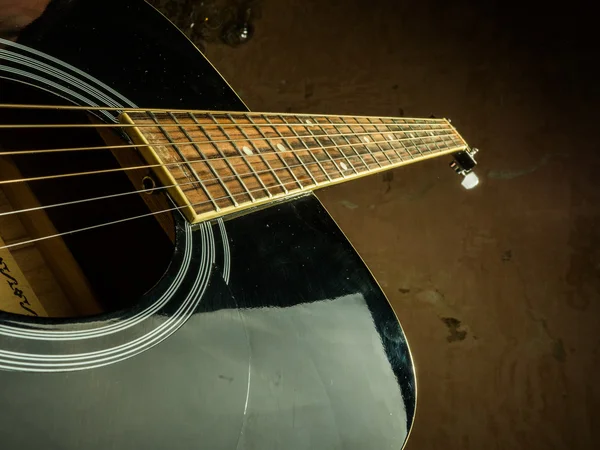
{"points": [[218, 141], [431, 136], [385, 121], [199, 160], [285, 169], [114, 222], [194, 125], [435, 139], [204, 112]]}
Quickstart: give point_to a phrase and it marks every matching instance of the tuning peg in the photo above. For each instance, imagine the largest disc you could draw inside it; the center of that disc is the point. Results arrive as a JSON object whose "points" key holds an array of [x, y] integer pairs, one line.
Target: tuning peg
{"points": [[463, 164], [470, 180]]}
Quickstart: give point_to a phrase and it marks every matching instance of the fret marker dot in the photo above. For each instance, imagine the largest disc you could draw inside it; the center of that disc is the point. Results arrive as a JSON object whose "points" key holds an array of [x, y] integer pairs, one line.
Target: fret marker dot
{"points": [[247, 150], [308, 121], [390, 137], [343, 166], [280, 147], [366, 138]]}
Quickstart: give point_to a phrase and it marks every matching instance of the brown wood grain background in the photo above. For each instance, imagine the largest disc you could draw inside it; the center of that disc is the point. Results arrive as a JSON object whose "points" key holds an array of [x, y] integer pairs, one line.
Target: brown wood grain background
{"points": [[498, 289]]}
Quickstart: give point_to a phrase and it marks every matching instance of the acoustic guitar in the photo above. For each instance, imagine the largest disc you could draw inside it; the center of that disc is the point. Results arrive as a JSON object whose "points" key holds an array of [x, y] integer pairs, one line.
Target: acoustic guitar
{"points": [[167, 277]]}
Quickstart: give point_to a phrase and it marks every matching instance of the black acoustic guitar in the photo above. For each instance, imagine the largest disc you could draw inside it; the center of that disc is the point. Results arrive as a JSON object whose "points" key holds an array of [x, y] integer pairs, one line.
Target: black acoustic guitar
{"points": [[167, 277]]}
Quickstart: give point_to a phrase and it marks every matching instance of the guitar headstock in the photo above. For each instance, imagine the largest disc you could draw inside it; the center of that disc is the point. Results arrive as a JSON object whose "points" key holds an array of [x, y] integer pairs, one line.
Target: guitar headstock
{"points": [[463, 164]]}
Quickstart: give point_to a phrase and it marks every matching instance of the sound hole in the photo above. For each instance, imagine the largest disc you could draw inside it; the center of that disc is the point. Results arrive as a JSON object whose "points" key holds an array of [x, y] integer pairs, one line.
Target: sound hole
{"points": [[101, 268]]}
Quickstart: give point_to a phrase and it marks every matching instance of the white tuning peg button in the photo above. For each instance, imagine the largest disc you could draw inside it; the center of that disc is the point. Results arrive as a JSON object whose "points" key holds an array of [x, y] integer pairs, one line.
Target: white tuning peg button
{"points": [[470, 180]]}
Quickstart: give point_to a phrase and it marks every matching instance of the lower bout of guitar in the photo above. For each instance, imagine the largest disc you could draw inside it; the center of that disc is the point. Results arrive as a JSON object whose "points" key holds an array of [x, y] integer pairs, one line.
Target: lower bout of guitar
{"points": [[294, 346]]}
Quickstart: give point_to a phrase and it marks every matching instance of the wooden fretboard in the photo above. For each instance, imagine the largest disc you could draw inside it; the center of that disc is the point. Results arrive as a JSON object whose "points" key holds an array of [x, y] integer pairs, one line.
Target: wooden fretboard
{"points": [[217, 163]]}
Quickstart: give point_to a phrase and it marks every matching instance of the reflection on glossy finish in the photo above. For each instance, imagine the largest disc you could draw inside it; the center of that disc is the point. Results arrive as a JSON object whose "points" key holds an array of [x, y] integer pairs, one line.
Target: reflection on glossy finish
{"points": [[278, 336], [292, 354]]}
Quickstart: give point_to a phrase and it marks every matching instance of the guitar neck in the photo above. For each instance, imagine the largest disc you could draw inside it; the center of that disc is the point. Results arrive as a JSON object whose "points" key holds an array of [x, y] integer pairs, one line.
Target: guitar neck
{"points": [[216, 163]]}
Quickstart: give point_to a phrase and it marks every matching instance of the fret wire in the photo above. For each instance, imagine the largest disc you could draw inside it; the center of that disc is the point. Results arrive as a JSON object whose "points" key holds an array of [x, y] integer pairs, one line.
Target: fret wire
{"points": [[285, 168], [311, 136], [402, 142], [270, 144], [393, 147], [428, 144], [437, 142], [210, 166], [390, 137], [296, 155], [447, 150], [438, 148], [120, 169], [117, 125], [347, 141], [206, 191], [407, 148], [228, 163], [433, 141], [455, 133], [185, 161], [379, 145], [130, 146], [406, 127], [438, 122], [417, 144], [155, 189], [425, 143], [168, 144], [309, 151], [336, 146], [393, 133], [235, 146], [286, 183], [241, 193], [216, 125], [365, 145], [130, 168], [449, 137], [224, 158], [323, 148], [372, 141], [187, 183], [264, 160]]}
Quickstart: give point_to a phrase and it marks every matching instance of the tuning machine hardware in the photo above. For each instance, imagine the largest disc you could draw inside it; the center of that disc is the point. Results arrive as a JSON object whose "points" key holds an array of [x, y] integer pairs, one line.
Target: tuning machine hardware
{"points": [[463, 164]]}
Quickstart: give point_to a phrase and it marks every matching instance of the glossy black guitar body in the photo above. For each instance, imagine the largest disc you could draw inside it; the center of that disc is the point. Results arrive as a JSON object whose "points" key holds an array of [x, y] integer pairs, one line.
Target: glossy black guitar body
{"points": [[266, 331]]}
